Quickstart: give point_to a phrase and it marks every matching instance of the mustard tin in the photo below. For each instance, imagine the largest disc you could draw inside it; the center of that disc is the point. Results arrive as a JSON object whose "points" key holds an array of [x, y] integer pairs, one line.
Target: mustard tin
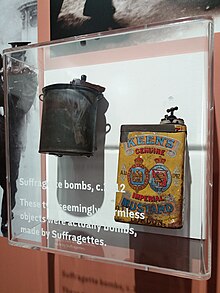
{"points": [[151, 173]]}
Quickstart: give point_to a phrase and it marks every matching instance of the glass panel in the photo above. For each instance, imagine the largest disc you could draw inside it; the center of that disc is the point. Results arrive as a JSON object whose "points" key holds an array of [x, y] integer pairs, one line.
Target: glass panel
{"points": [[65, 160]]}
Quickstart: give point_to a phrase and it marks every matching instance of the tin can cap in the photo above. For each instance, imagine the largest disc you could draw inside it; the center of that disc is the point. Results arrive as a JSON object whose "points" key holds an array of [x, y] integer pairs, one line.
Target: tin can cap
{"points": [[171, 118]]}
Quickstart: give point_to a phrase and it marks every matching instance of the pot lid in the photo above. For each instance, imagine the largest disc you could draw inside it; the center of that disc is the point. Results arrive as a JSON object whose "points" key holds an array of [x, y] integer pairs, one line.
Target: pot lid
{"points": [[76, 84]]}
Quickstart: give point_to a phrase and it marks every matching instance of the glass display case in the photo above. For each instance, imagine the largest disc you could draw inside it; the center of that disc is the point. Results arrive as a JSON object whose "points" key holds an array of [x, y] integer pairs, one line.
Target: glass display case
{"points": [[109, 146]]}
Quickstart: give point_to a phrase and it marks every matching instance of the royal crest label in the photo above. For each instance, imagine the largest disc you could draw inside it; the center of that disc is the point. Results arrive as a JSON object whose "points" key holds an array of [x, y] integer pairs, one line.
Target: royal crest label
{"points": [[151, 173]]}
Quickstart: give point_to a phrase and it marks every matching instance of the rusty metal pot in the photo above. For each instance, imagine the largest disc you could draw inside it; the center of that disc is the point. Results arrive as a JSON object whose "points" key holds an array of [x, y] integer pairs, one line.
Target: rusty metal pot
{"points": [[69, 118]]}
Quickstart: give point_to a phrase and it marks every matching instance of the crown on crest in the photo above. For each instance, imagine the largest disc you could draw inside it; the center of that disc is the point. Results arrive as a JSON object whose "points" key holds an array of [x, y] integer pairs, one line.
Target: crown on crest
{"points": [[160, 160], [138, 160]]}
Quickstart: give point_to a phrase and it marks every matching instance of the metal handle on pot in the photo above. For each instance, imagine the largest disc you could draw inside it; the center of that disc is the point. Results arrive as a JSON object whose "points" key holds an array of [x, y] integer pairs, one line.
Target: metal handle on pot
{"points": [[41, 95], [109, 128]]}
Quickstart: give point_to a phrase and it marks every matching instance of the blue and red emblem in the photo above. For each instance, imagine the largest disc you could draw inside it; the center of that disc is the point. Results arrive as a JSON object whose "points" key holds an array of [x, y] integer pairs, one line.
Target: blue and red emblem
{"points": [[160, 176], [138, 175]]}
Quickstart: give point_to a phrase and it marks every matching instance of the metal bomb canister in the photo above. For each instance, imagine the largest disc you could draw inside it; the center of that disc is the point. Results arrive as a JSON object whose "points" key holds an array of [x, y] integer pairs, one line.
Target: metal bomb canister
{"points": [[69, 118], [151, 173]]}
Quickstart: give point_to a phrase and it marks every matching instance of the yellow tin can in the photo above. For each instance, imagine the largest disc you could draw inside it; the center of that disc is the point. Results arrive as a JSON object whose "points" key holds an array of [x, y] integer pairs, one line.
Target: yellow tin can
{"points": [[151, 173]]}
